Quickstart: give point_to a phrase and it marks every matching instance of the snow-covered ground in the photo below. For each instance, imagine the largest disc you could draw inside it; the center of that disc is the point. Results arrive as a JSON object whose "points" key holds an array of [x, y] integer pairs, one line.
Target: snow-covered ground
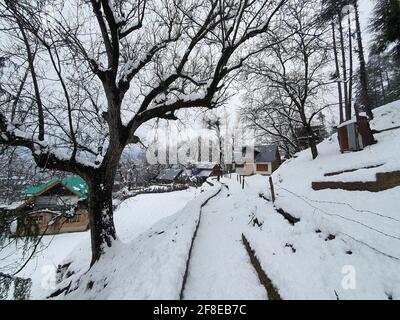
{"points": [[363, 260], [151, 266], [42, 267], [139, 213], [219, 267], [345, 246], [134, 216]]}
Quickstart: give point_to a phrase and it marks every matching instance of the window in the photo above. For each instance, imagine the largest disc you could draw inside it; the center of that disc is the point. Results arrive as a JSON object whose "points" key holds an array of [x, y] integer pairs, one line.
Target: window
{"points": [[46, 202], [75, 218], [37, 219], [262, 167]]}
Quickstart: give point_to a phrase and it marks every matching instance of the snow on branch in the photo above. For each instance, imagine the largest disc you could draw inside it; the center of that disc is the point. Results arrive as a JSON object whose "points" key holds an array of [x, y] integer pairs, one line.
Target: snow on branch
{"points": [[41, 150]]}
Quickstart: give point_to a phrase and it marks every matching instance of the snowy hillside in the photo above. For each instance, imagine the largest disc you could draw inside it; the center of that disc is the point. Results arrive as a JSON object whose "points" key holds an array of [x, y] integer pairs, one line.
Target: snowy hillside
{"points": [[151, 266], [134, 216], [339, 231], [152, 150], [338, 244]]}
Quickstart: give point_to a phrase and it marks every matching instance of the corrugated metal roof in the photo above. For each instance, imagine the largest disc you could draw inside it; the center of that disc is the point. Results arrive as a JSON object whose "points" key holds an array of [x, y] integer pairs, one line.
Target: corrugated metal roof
{"points": [[205, 165], [204, 173], [73, 183], [38, 189], [169, 174], [76, 184]]}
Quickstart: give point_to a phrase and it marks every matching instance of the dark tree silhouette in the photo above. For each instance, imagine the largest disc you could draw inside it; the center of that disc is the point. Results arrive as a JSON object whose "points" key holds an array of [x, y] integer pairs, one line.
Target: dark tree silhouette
{"points": [[386, 26]]}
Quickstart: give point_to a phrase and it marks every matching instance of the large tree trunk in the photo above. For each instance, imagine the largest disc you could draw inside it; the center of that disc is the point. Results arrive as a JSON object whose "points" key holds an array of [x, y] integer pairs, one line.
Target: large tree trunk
{"points": [[101, 182], [313, 146], [363, 72], [101, 221], [310, 133], [312, 142]]}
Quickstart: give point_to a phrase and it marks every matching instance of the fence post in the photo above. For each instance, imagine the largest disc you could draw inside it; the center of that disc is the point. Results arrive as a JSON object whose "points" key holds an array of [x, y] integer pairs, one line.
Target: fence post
{"points": [[271, 185], [243, 183]]}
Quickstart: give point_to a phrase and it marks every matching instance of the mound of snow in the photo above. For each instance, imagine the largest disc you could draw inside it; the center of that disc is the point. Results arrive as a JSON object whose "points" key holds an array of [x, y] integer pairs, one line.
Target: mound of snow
{"points": [[151, 266], [347, 243]]}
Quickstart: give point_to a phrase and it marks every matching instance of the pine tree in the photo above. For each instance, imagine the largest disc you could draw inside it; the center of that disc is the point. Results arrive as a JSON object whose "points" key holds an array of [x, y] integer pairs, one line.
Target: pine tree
{"points": [[365, 98], [383, 80], [333, 13], [386, 26]]}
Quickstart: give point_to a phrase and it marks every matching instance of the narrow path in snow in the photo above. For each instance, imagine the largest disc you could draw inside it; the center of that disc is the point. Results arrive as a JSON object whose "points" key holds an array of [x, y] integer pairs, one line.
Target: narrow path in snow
{"points": [[220, 267]]}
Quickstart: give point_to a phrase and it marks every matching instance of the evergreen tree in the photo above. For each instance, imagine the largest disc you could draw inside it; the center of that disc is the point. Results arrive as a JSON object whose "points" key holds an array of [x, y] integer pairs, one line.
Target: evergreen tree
{"points": [[386, 26], [383, 80], [363, 77], [334, 13]]}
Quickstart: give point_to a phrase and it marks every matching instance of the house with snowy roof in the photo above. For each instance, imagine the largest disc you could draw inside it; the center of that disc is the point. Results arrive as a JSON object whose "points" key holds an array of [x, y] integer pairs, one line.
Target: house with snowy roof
{"points": [[205, 170], [169, 175], [260, 159], [57, 206]]}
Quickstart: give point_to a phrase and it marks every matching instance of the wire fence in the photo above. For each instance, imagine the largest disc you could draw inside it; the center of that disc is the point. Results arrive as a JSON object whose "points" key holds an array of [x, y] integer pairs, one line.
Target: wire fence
{"points": [[309, 201]]}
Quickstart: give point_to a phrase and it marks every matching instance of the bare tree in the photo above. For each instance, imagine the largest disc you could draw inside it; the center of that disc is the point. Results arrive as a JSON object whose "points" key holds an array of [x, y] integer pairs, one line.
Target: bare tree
{"points": [[273, 118], [296, 66], [215, 124], [100, 69]]}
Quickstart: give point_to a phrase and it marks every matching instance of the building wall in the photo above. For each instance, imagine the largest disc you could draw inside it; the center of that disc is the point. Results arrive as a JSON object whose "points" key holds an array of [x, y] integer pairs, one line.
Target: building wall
{"points": [[80, 222], [268, 170], [251, 168], [246, 170], [276, 164], [214, 172]]}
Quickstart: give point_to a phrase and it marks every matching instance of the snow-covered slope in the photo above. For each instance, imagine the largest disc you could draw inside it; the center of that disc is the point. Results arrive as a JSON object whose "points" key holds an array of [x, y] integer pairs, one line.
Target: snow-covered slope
{"points": [[133, 217], [151, 266], [345, 246], [364, 227]]}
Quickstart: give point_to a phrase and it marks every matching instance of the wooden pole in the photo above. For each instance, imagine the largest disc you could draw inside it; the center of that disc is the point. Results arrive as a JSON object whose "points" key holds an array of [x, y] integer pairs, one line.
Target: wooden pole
{"points": [[271, 185], [243, 183]]}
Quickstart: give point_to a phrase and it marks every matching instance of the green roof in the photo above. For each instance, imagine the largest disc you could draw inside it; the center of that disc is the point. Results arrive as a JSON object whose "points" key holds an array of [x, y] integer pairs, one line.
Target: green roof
{"points": [[38, 189], [74, 183]]}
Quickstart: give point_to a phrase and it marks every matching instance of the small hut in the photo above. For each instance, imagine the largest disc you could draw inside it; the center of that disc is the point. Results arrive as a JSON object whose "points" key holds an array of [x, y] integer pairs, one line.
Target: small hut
{"points": [[355, 134]]}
